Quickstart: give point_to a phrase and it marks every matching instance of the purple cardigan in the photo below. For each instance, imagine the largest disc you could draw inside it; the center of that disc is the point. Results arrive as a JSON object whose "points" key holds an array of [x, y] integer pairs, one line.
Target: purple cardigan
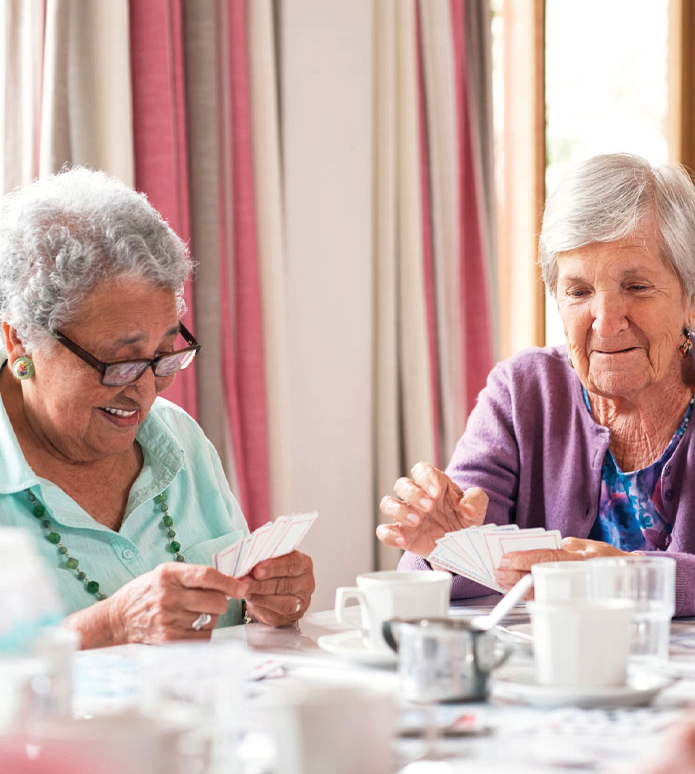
{"points": [[532, 446]]}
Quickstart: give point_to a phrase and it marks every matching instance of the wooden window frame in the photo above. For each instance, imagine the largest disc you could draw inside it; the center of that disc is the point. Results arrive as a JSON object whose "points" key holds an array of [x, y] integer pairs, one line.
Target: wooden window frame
{"points": [[681, 103], [521, 287]]}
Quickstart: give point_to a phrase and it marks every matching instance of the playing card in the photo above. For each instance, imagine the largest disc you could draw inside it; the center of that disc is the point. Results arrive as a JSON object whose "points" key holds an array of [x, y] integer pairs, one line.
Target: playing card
{"points": [[255, 549], [479, 540], [476, 543], [459, 570], [241, 556], [455, 549], [499, 544], [443, 556], [225, 561], [276, 538], [297, 526], [476, 552], [280, 526], [458, 545]]}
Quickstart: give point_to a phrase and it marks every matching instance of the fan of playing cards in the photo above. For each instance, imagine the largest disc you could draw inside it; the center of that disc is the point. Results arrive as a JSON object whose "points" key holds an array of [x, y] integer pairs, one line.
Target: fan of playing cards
{"points": [[475, 552], [276, 538]]}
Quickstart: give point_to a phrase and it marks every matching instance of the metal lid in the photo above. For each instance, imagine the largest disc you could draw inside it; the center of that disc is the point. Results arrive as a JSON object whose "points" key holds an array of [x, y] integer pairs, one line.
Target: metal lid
{"points": [[439, 624]]}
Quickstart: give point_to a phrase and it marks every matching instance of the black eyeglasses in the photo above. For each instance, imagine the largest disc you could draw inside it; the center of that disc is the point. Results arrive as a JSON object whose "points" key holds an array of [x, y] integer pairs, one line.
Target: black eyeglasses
{"points": [[128, 371]]}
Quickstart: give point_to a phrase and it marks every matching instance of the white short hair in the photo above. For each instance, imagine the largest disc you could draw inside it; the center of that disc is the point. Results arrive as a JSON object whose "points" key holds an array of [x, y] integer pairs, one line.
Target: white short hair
{"points": [[64, 234], [605, 198]]}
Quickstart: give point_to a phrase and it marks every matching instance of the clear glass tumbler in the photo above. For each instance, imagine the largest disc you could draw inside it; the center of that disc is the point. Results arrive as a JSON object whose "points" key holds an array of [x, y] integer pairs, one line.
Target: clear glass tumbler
{"points": [[650, 583]]}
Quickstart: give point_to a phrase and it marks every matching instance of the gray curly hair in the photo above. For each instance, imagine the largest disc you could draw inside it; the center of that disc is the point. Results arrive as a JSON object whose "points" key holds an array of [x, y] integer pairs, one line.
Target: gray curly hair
{"points": [[604, 199], [64, 234]]}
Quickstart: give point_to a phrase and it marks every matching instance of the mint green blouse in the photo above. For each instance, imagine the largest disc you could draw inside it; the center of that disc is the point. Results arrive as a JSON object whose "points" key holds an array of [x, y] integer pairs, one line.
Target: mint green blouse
{"points": [[178, 458]]}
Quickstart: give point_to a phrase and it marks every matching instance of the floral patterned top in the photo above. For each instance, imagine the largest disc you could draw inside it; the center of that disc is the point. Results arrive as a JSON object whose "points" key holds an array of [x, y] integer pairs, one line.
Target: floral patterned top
{"points": [[631, 513]]}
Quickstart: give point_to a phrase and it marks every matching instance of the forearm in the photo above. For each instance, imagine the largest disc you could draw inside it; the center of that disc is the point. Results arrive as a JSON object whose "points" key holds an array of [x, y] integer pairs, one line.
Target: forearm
{"points": [[461, 588], [94, 625]]}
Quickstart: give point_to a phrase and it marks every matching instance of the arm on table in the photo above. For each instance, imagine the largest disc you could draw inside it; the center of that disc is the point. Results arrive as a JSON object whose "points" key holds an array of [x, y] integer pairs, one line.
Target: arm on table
{"points": [[157, 607]]}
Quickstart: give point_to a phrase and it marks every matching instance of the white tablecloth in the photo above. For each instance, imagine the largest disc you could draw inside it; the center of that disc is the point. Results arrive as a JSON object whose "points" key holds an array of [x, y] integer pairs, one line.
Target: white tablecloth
{"points": [[503, 737]]}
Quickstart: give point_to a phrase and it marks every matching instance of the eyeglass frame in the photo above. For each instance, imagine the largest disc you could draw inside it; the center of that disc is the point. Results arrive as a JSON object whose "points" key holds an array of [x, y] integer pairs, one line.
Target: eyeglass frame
{"points": [[100, 366]]}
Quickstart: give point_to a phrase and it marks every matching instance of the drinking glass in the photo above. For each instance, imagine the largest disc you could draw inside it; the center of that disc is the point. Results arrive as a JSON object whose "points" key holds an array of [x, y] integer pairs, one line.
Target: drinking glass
{"points": [[202, 684], [337, 728], [649, 582]]}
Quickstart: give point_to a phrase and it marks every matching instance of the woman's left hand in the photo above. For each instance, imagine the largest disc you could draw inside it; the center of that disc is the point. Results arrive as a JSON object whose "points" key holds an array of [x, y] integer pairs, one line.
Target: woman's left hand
{"points": [[278, 591], [676, 754], [514, 565]]}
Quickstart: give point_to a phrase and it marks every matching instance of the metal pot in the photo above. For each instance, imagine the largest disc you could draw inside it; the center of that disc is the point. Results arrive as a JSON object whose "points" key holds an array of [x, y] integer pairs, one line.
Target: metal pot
{"points": [[444, 659]]}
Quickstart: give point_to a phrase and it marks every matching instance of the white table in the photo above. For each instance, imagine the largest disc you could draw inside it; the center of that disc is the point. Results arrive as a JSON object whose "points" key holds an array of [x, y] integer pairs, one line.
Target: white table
{"points": [[518, 738]]}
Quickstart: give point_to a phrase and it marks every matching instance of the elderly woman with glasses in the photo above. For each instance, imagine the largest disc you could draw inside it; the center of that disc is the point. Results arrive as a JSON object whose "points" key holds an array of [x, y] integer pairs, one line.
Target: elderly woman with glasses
{"points": [[595, 438], [125, 494]]}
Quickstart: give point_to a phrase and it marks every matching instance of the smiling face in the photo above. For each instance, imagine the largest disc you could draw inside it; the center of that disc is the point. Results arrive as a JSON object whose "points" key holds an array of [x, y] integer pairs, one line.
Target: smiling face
{"points": [[624, 311], [66, 407]]}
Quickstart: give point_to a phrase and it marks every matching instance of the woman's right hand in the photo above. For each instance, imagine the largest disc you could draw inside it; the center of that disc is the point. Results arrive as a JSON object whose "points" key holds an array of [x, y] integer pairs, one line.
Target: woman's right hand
{"points": [[158, 606], [162, 604], [426, 507]]}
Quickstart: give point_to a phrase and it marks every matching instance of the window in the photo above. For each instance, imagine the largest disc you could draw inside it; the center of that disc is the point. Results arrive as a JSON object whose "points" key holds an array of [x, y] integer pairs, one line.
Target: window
{"points": [[606, 88], [599, 71]]}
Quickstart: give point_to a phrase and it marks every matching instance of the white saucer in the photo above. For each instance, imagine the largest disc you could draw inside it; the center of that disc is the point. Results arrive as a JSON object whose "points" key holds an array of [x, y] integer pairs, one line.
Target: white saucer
{"points": [[350, 645], [520, 686]]}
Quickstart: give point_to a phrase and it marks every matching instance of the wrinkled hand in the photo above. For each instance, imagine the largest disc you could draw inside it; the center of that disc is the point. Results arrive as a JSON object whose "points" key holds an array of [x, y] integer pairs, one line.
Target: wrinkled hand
{"points": [[426, 507], [162, 604], [278, 591], [514, 565], [676, 753]]}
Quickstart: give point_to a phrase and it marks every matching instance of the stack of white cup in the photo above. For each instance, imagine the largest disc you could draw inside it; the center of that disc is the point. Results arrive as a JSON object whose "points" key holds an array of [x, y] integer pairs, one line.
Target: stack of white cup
{"points": [[592, 619]]}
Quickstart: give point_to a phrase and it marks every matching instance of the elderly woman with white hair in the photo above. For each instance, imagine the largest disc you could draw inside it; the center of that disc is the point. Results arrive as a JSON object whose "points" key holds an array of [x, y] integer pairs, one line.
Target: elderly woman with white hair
{"points": [[124, 492], [593, 438]]}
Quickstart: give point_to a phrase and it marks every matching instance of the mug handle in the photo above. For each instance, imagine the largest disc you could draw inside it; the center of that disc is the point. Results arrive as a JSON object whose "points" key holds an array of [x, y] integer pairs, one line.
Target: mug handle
{"points": [[506, 653], [343, 594]]}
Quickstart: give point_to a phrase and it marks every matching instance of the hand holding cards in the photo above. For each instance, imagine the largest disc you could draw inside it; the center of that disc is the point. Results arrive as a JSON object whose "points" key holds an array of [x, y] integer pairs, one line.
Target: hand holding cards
{"points": [[475, 552], [276, 538]]}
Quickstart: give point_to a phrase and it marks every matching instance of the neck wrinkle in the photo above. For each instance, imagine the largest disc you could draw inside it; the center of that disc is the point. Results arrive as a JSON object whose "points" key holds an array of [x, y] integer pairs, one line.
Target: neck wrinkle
{"points": [[641, 429]]}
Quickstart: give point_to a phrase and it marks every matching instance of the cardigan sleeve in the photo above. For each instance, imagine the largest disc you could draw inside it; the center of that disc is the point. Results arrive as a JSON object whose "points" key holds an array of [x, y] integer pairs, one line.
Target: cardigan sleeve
{"points": [[487, 454], [685, 582]]}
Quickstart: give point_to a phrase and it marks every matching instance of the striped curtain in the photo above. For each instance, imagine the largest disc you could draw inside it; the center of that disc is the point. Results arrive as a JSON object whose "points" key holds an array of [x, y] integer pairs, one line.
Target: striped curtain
{"points": [[434, 232], [329, 162]]}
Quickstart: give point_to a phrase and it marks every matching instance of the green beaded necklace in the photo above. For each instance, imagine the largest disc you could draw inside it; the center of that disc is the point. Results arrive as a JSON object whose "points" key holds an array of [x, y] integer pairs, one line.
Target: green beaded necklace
{"points": [[71, 563]]}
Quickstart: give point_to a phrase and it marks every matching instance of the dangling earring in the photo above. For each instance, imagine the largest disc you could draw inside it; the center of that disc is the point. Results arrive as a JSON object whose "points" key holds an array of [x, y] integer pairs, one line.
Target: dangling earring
{"points": [[687, 346], [23, 367]]}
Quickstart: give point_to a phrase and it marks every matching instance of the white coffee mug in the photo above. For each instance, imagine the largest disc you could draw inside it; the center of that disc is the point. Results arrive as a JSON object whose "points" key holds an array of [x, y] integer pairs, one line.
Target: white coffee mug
{"points": [[342, 729], [391, 594], [558, 581], [583, 642]]}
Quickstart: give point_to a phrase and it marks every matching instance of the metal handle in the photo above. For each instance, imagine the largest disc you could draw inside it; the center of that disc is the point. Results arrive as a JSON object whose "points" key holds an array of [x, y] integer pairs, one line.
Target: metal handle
{"points": [[506, 653]]}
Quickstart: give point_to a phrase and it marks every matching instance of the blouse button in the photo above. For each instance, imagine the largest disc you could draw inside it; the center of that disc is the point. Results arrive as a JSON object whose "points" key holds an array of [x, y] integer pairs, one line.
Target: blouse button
{"points": [[667, 470], [668, 495], [127, 553]]}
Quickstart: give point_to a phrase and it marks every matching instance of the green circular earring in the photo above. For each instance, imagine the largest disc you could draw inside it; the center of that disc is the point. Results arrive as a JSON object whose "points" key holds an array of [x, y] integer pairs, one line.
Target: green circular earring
{"points": [[23, 367]]}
